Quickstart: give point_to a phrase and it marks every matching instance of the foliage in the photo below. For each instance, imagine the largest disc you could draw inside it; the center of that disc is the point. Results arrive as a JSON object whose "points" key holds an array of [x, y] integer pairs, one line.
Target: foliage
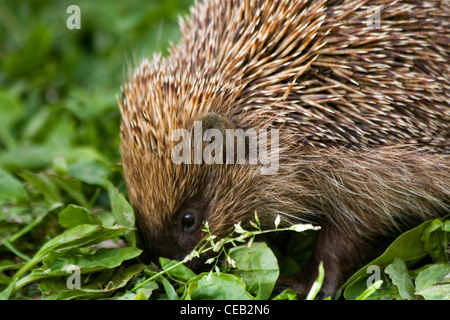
{"points": [[415, 266]]}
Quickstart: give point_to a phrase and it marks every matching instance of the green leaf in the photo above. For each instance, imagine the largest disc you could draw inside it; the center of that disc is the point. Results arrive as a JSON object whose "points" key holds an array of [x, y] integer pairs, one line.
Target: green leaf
{"points": [[170, 291], [90, 171], [26, 156], [128, 295], [211, 286], [147, 289], [180, 272], [104, 285], [297, 252], [400, 277], [11, 189], [79, 236], [5, 294], [258, 268], [32, 53], [435, 241], [140, 296], [44, 185], [73, 187], [40, 214], [370, 290], [287, 294], [101, 258], [73, 216], [55, 265], [7, 264], [407, 247], [317, 285], [11, 109], [447, 225], [434, 282], [122, 212], [357, 289]]}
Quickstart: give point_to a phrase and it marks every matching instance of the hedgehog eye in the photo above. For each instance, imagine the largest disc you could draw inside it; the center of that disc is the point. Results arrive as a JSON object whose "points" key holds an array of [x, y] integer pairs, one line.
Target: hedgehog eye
{"points": [[188, 220]]}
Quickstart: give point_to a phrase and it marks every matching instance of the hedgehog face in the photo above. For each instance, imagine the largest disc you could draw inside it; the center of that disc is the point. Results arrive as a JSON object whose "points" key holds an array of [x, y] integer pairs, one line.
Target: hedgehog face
{"points": [[173, 226], [173, 201]]}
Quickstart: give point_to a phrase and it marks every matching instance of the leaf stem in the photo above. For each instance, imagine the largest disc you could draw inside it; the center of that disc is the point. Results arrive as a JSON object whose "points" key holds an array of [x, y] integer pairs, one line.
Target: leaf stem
{"points": [[21, 255], [209, 239]]}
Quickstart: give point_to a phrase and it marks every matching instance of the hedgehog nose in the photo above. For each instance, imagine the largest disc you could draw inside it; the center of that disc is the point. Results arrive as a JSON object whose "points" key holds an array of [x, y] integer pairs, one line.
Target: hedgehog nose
{"points": [[179, 256], [198, 265]]}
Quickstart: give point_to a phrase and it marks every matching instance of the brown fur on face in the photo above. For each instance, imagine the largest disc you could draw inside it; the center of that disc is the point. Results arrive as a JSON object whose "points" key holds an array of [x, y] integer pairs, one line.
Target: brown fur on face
{"points": [[363, 115]]}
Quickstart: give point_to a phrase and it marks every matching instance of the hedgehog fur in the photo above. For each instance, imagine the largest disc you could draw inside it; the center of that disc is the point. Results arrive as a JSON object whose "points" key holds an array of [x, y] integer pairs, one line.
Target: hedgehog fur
{"points": [[363, 114]]}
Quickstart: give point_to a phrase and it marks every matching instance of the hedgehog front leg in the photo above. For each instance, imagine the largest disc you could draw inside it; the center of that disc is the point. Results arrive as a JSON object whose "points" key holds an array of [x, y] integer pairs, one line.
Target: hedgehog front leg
{"points": [[340, 253]]}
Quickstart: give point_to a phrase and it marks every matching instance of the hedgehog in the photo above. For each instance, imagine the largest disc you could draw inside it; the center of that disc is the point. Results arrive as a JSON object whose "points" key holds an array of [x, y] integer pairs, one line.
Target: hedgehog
{"points": [[358, 92]]}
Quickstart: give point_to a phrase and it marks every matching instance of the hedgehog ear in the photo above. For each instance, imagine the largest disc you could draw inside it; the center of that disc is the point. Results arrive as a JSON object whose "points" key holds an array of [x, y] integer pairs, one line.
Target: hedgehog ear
{"points": [[214, 121], [217, 122], [234, 143]]}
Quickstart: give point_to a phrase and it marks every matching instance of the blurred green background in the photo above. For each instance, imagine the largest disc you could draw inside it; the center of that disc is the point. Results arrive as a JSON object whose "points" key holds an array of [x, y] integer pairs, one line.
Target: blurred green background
{"points": [[59, 118], [58, 86]]}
